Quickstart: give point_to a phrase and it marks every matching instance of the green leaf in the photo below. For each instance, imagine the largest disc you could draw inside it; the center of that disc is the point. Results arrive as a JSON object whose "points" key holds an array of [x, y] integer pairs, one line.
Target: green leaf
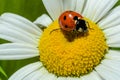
{"points": [[30, 9], [118, 3], [2, 71]]}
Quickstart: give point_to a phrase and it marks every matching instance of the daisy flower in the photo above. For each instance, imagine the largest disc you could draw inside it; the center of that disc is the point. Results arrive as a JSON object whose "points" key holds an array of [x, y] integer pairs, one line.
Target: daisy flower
{"points": [[92, 56]]}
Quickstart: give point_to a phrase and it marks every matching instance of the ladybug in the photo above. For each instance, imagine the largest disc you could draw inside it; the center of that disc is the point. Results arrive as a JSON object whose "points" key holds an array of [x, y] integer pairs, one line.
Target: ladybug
{"points": [[72, 21]]}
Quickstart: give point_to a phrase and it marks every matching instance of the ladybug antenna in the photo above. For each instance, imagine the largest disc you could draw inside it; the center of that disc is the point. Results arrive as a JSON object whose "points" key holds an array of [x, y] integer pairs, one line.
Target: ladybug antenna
{"points": [[89, 26], [54, 30]]}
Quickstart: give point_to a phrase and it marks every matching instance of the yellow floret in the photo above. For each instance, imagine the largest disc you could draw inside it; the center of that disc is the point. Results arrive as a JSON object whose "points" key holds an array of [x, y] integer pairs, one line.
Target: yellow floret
{"points": [[70, 55]]}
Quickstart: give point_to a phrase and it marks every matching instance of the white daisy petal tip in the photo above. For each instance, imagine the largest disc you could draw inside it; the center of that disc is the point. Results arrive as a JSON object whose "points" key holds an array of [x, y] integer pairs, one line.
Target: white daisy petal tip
{"points": [[43, 20], [13, 15], [7, 13], [21, 22]]}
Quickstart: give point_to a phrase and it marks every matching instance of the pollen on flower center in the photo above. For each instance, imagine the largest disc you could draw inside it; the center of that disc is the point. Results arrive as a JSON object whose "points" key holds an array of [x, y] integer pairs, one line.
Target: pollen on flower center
{"points": [[72, 58]]}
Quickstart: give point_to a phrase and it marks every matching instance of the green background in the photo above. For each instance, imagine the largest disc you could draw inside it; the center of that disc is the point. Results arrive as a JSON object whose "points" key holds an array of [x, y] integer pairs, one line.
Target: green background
{"points": [[30, 9]]}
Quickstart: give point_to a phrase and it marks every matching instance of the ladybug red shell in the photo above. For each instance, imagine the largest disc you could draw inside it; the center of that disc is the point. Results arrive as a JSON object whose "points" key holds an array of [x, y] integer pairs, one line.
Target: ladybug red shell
{"points": [[72, 21]]}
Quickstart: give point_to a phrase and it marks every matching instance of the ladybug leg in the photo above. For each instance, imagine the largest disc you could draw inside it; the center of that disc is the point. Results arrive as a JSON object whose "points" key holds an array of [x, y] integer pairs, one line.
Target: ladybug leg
{"points": [[54, 30]]}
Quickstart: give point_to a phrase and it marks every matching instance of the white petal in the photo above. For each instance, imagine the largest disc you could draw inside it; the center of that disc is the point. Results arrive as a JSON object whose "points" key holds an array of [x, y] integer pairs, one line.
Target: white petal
{"points": [[113, 55], [17, 28], [107, 73], [105, 6], [43, 20], [92, 76], [113, 40], [33, 76], [18, 53], [54, 7], [9, 38], [68, 78], [15, 34], [116, 9], [90, 8], [114, 45], [79, 5], [48, 76], [113, 64], [113, 19], [23, 72], [73, 78], [69, 5], [112, 31], [21, 22], [21, 19], [113, 69], [95, 10], [16, 45], [61, 78], [36, 75]]}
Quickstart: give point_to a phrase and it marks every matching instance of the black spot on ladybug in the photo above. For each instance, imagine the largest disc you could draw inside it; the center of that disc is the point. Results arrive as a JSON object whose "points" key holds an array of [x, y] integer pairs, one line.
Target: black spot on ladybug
{"points": [[64, 18], [66, 26], [75, 18]]}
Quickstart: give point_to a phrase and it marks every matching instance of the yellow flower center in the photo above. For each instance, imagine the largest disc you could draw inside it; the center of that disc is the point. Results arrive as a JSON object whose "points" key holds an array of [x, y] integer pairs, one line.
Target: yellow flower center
{"points": [[66, 54]]}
